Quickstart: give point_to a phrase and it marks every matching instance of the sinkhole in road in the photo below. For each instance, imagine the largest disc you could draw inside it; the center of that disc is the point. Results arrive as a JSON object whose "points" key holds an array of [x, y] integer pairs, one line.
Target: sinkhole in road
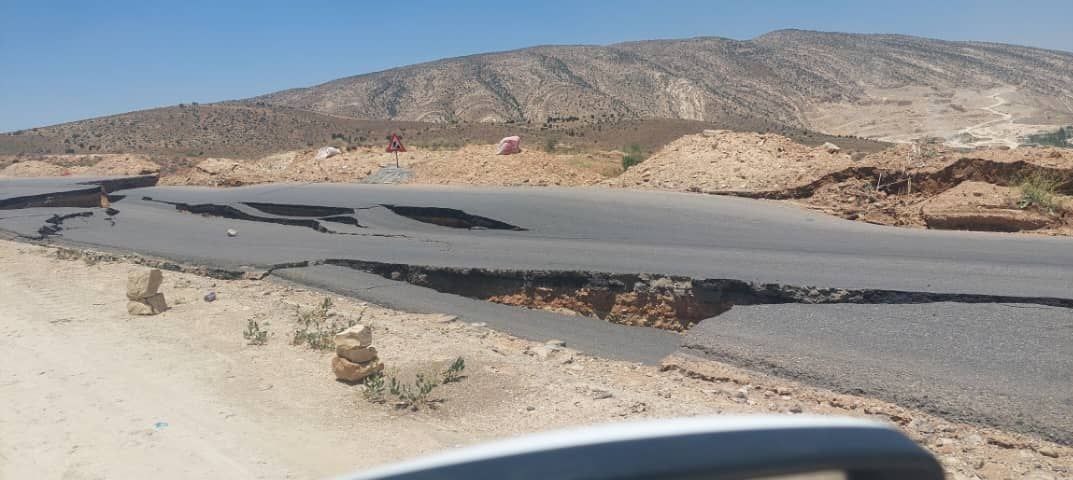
{"points": [[668, 302]]}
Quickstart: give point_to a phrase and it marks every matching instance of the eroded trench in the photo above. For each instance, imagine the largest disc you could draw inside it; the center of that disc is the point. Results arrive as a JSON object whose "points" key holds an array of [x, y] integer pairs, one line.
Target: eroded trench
{"points": [[667, 302], [925, 182]]}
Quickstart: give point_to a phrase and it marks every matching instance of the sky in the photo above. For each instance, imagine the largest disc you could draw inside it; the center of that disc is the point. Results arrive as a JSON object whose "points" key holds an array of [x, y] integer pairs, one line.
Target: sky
{"points": [[69, 60]]}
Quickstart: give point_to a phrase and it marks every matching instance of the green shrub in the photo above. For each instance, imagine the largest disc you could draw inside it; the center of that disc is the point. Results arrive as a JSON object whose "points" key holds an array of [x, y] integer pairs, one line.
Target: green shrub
{"points": [[411, 395], [1038, 190], [255, 334], [317, 327], [632, 157]]}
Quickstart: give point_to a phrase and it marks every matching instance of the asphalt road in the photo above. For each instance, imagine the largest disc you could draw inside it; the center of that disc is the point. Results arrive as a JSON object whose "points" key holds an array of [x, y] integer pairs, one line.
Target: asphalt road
{"points": [[1025, 388]]}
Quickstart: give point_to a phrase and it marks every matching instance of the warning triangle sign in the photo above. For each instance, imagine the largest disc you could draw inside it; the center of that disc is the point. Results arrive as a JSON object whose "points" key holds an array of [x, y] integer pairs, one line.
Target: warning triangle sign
{"points": [[395, 145]]}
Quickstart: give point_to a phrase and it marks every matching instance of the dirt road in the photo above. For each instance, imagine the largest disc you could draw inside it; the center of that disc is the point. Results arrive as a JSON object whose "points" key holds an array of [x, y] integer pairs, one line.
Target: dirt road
{"points": [[89, 392]]}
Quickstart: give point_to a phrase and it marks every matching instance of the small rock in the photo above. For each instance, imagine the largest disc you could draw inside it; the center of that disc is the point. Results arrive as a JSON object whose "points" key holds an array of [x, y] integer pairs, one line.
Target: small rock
{"points": [[210, 297], [741, 393], [599, 394], [445, 318], [831, 148], [356, 355], [1049, 452], [796, 409], [351, 372], [542, 352], [135, 307], [974, 440], [143, 283], [993, 470], [147, 306], [354, 338], [478, 324], [555, 343], [232, 232]]}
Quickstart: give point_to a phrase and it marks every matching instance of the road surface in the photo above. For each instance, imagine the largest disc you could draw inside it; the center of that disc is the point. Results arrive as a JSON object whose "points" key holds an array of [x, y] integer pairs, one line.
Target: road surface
{"points": [[987, 362]]}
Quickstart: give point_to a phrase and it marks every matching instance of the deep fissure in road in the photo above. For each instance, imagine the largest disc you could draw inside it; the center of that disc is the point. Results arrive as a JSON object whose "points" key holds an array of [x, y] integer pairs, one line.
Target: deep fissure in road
{"points": [[450, 217], [307, 214], [662, 301], [312, 216]]}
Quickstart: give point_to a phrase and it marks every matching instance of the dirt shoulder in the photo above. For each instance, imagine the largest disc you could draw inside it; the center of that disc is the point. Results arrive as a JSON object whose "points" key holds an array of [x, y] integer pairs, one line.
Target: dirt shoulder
{"points": [[91, 392]]}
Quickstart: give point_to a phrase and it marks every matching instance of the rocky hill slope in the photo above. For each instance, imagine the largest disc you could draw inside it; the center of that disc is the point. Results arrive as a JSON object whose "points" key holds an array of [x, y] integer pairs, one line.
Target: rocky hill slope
{"points": [[800, 78]]}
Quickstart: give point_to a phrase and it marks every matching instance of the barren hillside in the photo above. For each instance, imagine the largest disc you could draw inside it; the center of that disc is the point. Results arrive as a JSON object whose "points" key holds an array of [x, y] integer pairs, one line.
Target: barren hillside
{"points": [[830, 82]]}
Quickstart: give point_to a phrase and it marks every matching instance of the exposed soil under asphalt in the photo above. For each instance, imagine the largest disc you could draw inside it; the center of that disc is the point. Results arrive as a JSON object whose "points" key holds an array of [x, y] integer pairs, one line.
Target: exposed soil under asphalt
{"points": [[90, 391], [673, 303]]}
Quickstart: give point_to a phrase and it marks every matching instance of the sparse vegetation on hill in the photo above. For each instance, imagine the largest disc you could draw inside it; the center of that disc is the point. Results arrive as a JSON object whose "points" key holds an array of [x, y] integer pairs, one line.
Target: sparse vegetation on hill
{"points": [[180, 137], [1058, 138]]}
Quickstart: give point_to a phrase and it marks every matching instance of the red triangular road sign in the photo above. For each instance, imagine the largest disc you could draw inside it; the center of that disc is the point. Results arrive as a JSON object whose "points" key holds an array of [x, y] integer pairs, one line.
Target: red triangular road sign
{"points": [[395, 145]]}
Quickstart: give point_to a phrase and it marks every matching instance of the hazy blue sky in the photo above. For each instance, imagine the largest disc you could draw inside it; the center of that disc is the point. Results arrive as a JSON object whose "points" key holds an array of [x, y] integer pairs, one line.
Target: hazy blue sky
{"points": [[68, 60]]}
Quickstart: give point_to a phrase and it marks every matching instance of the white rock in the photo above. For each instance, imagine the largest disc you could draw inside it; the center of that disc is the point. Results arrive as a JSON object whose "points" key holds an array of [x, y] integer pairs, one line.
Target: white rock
{"points": [[358, 336], [232, 232], [143, 283]]}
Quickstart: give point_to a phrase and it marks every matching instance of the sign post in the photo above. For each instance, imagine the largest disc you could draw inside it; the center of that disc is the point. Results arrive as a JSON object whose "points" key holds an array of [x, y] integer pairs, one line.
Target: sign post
{"points": [[395, 145]]}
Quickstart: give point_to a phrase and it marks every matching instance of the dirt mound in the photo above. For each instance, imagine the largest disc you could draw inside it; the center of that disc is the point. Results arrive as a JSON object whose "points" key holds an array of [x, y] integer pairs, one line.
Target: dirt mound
{"points": [[472, 165], [889, 187], [123, 165], [720, 160], [479, 165], [109, 165], [295, 166], [34, 168], [982, 206]]}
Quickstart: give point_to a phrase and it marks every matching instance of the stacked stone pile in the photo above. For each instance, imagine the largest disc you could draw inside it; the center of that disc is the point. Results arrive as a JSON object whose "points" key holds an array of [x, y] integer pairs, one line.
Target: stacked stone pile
{"points": [[355, 357], [142, 286]]}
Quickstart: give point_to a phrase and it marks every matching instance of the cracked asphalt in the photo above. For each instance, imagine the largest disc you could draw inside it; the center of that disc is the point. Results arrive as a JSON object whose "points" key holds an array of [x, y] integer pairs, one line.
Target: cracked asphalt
{"points": [[986, 363]]}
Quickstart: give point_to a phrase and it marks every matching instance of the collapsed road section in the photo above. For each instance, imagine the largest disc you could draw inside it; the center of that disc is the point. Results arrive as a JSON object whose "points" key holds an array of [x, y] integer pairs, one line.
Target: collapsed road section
{"points": [[84, 193], [667, 302]]}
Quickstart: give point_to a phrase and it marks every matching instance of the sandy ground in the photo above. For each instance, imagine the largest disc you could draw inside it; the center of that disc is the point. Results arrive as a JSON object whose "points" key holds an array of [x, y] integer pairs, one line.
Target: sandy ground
{"points": [[90, 392], [963, 117]]}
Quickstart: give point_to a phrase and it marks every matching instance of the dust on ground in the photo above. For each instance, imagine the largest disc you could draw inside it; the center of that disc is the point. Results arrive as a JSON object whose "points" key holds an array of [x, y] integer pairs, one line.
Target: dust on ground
{"points": [[91, 392]]}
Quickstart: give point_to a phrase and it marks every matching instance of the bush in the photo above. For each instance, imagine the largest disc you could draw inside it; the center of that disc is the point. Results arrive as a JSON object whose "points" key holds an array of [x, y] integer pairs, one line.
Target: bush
{"points": [[1038, 190], [255, 334], [632, 157], [317, 327], [411, 396]]}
